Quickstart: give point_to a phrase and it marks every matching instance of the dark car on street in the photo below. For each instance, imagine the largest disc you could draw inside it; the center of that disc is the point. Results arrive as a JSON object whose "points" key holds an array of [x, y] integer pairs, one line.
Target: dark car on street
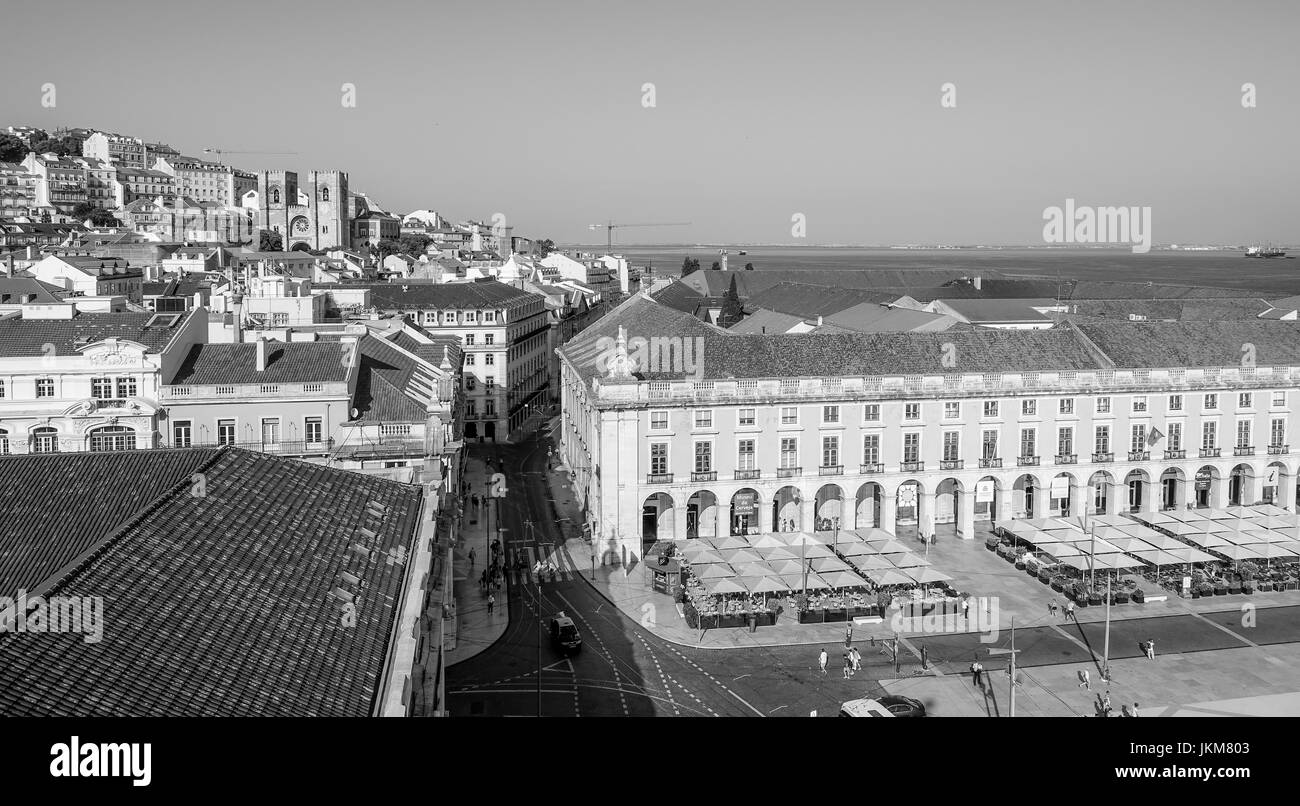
{"points": [[902, 706], [564, 634]]}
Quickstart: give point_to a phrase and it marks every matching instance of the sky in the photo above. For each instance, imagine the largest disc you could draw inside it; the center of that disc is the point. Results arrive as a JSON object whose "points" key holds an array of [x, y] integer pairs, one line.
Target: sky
{"points": [[761, 111]]}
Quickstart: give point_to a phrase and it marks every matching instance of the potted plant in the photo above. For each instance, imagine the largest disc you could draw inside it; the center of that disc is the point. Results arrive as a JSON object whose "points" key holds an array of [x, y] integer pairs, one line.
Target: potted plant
{"points": [[992, 543], [1044, 575], [1248, 586], [1138, 596], [1120, 597], [1234, 586], [1058, 583], [1095, 598]]}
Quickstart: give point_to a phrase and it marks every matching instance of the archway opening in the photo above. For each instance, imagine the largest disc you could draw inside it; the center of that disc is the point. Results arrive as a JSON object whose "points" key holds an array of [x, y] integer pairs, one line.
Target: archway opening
{"points": [[744, 512], [656, 520]]}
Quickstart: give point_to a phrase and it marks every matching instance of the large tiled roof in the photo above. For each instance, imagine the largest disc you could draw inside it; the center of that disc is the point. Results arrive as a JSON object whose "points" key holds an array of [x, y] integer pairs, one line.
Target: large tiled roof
{"points": [[52, 508], [293, 362], [15, 289], [641, 317], [220, 604], [764, 320], [1001, 310], [28, 337], [1196, 344], [391, 296], [393, 386], [681, 297], [1172, 310], [809, 301], [748, 283], [869, 317]]}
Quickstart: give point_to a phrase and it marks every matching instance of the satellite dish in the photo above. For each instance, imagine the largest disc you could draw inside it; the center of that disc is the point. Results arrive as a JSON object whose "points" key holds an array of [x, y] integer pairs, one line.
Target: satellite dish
{"points": [[355, 414]]}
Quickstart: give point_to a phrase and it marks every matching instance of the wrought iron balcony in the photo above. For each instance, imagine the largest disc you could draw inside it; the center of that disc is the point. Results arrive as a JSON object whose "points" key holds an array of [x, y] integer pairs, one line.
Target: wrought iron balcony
{"points": [[1278, 450], [741, 475], [912, 467], [951, 464], [991, 461], [830, 470], [1139, 456], [1244, 450], [1067, 458], [659, 478], [1103, 457], [787, 472], [1180, 454], [1027, 461], [704, 475], [878, 467], [1210, 453]]}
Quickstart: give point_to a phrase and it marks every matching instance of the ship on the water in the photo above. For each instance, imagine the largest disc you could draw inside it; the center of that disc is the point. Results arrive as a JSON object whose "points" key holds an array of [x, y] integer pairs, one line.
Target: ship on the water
{"points": [[1265, 252]]}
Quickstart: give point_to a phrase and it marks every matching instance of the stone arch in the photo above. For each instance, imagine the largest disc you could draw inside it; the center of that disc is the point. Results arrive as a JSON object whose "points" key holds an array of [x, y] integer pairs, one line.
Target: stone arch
{"points": [[745, 522], [657, 519], [1138, 482], [1027, 496], [786, 516], [1102, 484], [870, 502], [910, 507], [1209, 478], [1241, 484], [1276, 482], [1172, 489], [702, 514], [988, 510], [1060, 497], [828, 511]]}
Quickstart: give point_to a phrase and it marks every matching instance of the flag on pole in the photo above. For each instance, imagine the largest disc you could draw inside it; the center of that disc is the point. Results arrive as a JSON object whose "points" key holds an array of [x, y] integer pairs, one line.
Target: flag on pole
{"points": [[1154, 436]]}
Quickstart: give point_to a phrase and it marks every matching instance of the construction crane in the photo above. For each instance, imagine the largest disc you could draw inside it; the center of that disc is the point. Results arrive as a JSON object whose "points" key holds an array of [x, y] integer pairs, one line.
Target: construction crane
{"points": [[610, 226], [220, 151]]}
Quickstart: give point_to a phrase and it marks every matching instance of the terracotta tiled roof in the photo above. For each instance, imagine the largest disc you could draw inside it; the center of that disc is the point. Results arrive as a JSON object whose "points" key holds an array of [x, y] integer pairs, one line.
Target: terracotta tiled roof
{"points": [[390, 296], [27, 337], [294, 362], [222, 604], [1196, 344], [808, 301]]}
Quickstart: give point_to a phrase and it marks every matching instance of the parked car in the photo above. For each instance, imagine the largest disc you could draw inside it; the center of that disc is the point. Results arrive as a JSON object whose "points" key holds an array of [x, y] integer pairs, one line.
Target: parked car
{"points": [[903, 706], [864, 707], [564, 633], [890, 706]]}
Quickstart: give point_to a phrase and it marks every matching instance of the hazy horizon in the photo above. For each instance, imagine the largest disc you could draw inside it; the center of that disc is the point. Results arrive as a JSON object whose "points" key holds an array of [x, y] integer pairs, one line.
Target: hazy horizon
{"points": [[763, 110]]}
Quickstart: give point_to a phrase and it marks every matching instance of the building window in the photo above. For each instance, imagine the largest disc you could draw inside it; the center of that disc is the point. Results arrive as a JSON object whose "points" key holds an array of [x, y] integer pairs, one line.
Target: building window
{"points": [[469, 383], [1065, 441], [830, 451], [45, 440], [1103, 439], [990, 408], [1277, 431], [911, 411], [313, 430], [951, 446], [1028, 442], [658, 420], [45, 387], [325, 194], [1175, 402], [746, 417], [489, 316], [1139, 404], [490, 359], [951, 410], [789, 415], [1029, 407], [789, 452], [1067, 405], [703, 457], [830, 414], [1138, 438], [2, 389], [126, 387], [1103, 405], [1211, 402], [489, 338], [469, 339], [471, 409], [704, 418], [489, 408], [469, 359], [1244, 400], [871, 412], [989, 445], [1209, 436], [489, 383], [112, 438], [1175, 438], [101, 388], [1279, 399], [745, 454], [4, 442], [912, 447], [271, 430], [225, 432], [182, 433], [871, 449], [1243, 433], [658, 458]]}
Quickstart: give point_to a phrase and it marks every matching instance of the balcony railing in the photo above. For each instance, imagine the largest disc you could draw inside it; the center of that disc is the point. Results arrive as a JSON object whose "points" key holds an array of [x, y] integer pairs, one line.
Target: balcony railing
{"points": [[787, 472], [1027, 461], [1210, 453], [991, 461], [1067, 458], [1103, 457], [296, 447], [1179, 454], [659, 478], [1278, 450], [951, 464], [877, 467], [1244, 450], [830, 470], [1139, 456], [704, 475], [383, 448], [912, 467], [742, 475]]}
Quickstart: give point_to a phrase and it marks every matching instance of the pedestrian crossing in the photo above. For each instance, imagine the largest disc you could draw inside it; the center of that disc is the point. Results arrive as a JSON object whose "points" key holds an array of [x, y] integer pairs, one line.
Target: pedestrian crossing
{"points": [[547, 563]]}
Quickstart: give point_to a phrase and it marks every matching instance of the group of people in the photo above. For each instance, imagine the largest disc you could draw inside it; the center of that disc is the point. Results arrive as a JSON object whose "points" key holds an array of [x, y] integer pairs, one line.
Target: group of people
{"points": [[852, 661], [1104, 709], [1067, 611]]}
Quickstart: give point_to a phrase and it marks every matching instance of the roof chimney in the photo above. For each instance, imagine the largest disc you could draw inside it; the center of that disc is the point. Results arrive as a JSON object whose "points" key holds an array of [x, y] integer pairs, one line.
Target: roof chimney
{"points": [[261, 354], [819, 320], [977, 282]]}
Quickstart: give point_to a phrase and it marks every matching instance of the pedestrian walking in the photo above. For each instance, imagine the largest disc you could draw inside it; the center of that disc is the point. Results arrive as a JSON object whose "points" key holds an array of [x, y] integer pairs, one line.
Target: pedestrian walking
{"points": [[848, 666], [1084, 680], [1123, 710], [1105, 702], [977, 674], [492, 600], [821, 661], [482, 579], [1151, 649], [965, 608], [848, 635], [1069, 612], [1135, 710], [471, 558], [857, 659], [1051, 608]]}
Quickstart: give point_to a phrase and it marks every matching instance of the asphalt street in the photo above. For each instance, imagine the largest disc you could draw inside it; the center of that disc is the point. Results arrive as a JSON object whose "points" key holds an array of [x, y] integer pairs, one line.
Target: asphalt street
{"points": [[625, 670]]}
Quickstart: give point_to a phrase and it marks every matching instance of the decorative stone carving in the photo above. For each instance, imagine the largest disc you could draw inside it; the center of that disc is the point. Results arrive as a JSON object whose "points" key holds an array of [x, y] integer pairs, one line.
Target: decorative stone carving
{"points": [[620, 365]]}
